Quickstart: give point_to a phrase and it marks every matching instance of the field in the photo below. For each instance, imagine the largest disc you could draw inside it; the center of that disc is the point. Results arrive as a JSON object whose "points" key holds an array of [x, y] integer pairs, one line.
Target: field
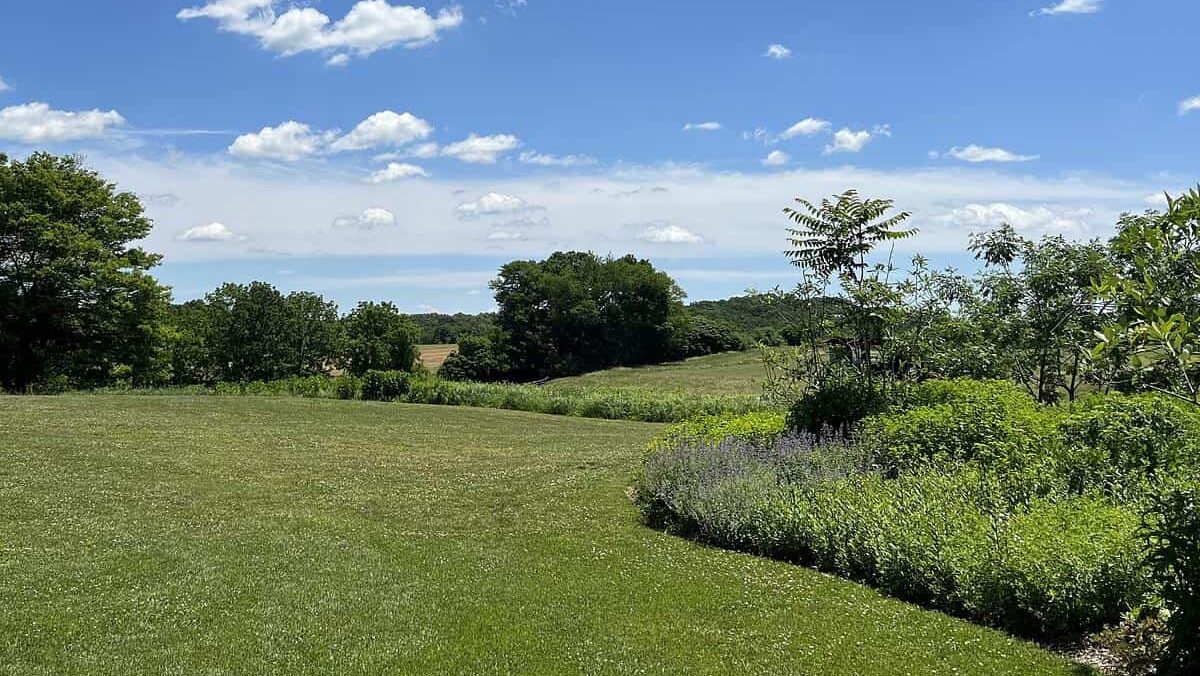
{"points": [[432, 356], [729, 373], [188, 535]]}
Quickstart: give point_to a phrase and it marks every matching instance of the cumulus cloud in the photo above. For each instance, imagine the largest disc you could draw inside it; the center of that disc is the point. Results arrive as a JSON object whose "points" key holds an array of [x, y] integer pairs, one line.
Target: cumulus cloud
{"points": [[1037, 220], [541, 160], [1070, 7], [847, 141], [1188, 105], [482, 149], [396, 171], [975, 153], [39, 123], [494, 204], [665, 233], [702, 126], [777, 51], [385, 128], [290, 213], [776, 158], [369, 26], [806, 127], [289, 141], [373, 217], [213, 232]]}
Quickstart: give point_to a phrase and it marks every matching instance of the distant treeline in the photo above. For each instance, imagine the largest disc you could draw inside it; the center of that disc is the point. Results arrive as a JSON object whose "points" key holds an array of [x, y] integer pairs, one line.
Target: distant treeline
{"points": [[442, 329]]}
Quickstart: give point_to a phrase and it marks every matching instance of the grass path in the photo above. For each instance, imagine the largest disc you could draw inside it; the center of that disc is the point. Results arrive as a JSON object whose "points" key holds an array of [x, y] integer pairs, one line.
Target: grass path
{"points": [[727, 373], [211, 535]]}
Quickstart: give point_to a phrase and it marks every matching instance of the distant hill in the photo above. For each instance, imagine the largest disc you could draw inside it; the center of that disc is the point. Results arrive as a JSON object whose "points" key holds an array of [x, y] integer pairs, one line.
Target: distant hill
{"points": [[439, 329], [759, 317]]}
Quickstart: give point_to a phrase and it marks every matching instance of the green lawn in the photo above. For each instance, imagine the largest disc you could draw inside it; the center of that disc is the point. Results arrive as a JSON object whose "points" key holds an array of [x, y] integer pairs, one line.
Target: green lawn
{"points": [[242, 535], [728, 373]]}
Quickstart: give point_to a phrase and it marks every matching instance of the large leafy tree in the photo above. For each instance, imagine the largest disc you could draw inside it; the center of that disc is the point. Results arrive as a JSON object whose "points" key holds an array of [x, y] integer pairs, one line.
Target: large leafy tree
{"points": [[576, 311], [378, 337], [77, 303]]}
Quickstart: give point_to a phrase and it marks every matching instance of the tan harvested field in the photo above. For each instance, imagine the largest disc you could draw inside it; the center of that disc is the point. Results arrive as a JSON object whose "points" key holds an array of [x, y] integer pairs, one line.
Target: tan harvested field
{"points": [[432, 356]]}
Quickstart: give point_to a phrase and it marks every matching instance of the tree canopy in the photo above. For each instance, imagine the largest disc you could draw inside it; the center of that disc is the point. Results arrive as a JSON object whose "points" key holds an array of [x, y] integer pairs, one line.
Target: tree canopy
{"points": [[77, 303]]}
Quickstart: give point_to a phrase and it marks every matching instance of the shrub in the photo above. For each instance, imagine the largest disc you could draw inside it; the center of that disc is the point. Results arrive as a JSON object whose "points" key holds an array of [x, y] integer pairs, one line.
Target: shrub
{"points": [[761, 428], [347, 387], [703, 336], [994, 424], [385, 385], [836, 406], [949, 540], [478, 358], [1172, 530]]}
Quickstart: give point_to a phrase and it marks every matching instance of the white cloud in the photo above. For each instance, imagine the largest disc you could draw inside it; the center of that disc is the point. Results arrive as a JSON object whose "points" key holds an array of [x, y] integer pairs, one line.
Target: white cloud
{"points": [[669, 234], [847, 141], [288, 213], [806, 127], [776, 158], [1036, 220], [213, 232], [385, 128], [373, 217], [369, 26], [4, 86], [1070, 7], [975, 153], [39, 123], [531, 157], [338, 60], [482, 149], [1188, 105], [396, 171], [702, 126], [1157, 200], [289, 141], [494, 204], [777, 51], [505, 236]]}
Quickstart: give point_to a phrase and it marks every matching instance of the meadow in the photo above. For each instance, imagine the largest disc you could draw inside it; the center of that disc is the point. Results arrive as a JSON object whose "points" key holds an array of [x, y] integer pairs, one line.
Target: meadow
{"points": [[255, 535], [725, 373]]}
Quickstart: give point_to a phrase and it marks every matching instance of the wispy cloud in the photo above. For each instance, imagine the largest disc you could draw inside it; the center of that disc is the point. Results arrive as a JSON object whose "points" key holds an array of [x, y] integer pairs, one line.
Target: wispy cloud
{"points": [[1070, 7], [1188, 105], [702, 126], [976, 153]]}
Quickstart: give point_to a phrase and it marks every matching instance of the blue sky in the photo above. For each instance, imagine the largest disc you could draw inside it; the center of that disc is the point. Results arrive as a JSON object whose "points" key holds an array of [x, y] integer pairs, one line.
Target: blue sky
{"points": [[374, 150]]}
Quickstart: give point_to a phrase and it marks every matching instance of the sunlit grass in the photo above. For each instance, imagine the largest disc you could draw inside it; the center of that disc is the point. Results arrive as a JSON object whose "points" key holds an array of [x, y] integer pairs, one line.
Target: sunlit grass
{"points": [[245, 535], [728, 373]]}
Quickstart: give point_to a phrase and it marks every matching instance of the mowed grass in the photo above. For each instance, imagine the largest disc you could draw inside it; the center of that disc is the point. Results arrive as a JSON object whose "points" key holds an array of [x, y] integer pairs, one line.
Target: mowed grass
{"points": [[242, 535], [728, 373]]}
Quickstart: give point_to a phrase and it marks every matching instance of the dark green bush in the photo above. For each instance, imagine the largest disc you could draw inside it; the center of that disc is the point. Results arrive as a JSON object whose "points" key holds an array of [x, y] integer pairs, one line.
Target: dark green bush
{"points": [[477, 358], [385, 385], [1172, 530], [836, 406], [347, 387]]}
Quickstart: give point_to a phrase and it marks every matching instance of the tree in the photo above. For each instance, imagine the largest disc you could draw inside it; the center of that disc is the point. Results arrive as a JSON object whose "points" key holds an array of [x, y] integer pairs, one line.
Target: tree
{"points": [[1153, 341], [1039, 307], [577, 312], [77, 303], [377, 337], [833, 242]]}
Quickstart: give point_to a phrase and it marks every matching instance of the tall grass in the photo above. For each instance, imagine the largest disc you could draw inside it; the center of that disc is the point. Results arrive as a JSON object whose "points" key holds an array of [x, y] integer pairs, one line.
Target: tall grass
{"points": [[582, 402]]}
